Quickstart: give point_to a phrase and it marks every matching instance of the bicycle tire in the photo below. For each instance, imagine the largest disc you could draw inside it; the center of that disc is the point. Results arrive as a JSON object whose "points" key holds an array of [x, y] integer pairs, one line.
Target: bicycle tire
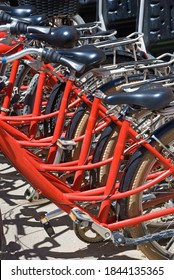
{"points": [[24, 76], [53, 105], [29, 100], [77, 128], [141, 164], [103, 151], [66, 20], [77, 19], [23, 73]]}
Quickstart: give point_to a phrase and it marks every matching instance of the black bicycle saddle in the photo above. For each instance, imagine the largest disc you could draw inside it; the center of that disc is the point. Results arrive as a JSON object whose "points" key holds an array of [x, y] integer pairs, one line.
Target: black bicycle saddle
{"points": [[60, 37], [35, 20], [19, 11], [87, 54], [151, 96]]}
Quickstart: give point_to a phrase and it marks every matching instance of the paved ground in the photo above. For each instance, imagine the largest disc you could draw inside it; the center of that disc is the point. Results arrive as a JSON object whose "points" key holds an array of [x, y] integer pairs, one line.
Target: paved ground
{"points": [[26, 238]]}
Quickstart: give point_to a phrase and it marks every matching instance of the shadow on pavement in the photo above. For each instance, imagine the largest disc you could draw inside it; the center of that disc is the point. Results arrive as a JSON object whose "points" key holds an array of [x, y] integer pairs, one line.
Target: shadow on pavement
{"points": [[26, 238]]}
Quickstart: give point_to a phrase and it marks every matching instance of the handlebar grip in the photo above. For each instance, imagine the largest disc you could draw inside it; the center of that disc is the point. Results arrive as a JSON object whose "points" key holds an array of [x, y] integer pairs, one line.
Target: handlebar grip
{"points": [[19, 28], [4, 17], [53, 56], [50, 55], [23, 28]]}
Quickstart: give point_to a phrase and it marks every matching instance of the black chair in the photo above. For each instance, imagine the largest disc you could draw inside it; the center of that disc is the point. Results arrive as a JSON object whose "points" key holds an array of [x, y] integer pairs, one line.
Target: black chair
{"points": [[121, 15], [157, 24], [117, 14], [88, 10]]}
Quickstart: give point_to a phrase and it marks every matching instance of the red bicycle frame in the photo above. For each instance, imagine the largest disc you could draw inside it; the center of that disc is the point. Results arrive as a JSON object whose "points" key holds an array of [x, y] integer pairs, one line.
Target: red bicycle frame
{"points": [[39, 175]]}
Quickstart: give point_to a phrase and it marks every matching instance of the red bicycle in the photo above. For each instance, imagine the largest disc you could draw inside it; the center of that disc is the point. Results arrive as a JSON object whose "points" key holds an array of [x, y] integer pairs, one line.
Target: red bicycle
{"points": [[108, 210], [105, 210]]}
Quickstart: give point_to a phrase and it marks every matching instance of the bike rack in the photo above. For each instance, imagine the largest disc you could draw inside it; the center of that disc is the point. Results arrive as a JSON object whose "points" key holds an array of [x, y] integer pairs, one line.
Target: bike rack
{"points": [[156, 64]]}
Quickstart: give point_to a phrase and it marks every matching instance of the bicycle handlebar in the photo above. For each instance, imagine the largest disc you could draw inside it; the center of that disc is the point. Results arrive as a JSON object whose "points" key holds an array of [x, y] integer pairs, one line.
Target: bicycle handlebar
{"points": [[23, 28], [47, 55], [4, 17], [53, 56], [17, 26], [20, 54]]}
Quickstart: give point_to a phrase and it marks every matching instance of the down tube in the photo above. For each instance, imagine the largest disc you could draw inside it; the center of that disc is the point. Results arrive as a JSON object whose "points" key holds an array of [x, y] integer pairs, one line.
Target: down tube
{"points": [[28, 168]]}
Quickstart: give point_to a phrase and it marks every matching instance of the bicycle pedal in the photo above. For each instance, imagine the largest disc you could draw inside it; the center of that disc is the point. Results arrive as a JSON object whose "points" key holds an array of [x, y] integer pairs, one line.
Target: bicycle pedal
{"points": [[47, 226], [82, 218], [79, 216]]}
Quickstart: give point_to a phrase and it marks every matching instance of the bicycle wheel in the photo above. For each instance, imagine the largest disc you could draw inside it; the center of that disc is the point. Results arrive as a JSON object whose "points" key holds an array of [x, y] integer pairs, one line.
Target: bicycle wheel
{"points": [[79, 121], [103, 151], [77, 19], [106, 139], [26, 85], [77, 128], [66, 20], [53, 105], [161, 196], [23, 79]]}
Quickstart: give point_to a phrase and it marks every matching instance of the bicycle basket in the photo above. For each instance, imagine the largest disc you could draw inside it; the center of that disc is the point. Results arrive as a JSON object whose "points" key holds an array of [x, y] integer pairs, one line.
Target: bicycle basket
{"points": [[53, 7]]}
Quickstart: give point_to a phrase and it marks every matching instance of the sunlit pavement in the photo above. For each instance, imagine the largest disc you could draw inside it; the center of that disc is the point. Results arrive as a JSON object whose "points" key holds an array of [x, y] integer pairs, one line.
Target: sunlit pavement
{"points": [[26, 238]]}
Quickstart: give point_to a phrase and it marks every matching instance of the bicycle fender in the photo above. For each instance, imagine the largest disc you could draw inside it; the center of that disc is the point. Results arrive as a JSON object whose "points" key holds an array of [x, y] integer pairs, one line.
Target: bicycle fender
{"points": [[53, 95]]}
